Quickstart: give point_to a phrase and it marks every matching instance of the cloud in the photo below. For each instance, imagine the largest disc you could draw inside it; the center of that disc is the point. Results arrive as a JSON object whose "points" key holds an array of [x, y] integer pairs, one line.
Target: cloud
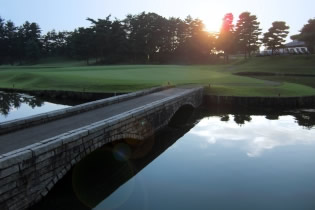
{"points": [[254, 137]]}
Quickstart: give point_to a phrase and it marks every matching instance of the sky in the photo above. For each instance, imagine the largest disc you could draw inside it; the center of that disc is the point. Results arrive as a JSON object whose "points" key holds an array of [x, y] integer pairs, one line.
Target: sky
{"points": [[70, 14]]}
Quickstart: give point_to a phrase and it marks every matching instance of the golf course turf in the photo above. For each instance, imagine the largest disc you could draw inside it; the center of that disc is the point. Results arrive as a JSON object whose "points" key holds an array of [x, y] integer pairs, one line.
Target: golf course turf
{"points": [[218, 79]]}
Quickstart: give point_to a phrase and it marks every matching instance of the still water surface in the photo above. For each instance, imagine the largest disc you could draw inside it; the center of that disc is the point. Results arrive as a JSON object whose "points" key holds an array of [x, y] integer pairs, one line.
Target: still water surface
{"points": [[263, 164], [17, 105], [220, 162]]}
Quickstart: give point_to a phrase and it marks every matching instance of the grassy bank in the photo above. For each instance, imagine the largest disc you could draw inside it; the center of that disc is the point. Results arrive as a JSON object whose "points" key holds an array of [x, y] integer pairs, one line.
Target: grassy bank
{"points": [[75, 76]]}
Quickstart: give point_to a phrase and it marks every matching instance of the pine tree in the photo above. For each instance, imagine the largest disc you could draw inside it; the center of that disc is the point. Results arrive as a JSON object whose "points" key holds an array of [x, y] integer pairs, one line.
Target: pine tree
{"points": [[307, 35], [274, 39], [247, 32]]}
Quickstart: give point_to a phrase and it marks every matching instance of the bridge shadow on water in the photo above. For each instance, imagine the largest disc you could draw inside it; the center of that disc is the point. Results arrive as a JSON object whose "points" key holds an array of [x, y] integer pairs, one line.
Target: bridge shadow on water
{"points": [[102, 172]]}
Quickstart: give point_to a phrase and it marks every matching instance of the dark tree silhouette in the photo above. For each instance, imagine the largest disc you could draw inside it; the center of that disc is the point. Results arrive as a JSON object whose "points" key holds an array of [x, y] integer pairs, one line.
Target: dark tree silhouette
{"points": [[13, 100], [225, 118], [247, 32], [307, 34], [274, 39], [81, 43], [55, 43], [3, 44], [272, 117], [306, 120], [31, 35], [240, 119]]}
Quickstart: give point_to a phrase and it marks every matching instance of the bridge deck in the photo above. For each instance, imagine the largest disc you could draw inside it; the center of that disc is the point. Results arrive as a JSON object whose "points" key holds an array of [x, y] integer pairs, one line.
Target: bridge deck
{"points": [[25, 137]]}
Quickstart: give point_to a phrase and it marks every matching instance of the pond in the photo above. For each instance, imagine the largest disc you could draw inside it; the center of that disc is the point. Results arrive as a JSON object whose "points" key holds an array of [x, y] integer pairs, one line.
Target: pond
{"points": [[18, 105], [218, 161]]}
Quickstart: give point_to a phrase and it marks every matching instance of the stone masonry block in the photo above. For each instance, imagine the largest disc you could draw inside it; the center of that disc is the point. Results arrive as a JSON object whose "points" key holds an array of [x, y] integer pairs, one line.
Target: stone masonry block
{"points": [[50, 186], [44, 148], [69, 137], [44, 156], [74, 143], [11, 194], [9, 179], [15, 158], [4, 172], [7, 187]]}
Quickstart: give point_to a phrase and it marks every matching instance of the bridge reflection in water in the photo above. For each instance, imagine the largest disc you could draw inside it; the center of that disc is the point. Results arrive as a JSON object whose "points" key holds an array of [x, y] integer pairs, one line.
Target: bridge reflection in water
{"points": [[102, 172]]}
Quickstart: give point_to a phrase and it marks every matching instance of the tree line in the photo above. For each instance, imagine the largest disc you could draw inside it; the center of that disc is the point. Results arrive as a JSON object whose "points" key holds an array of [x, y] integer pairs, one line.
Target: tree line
{"points": [[145, 38]]}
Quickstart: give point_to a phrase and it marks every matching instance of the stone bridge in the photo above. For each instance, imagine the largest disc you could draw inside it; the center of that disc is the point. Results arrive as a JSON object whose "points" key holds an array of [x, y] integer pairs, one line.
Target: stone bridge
{"points": [[36, 152]]}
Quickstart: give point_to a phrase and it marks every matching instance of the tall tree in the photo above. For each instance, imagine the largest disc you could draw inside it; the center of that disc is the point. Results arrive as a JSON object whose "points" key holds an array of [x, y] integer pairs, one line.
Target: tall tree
{"points": [[55, 43], [307, 34], [142, 38], [2, 41], [247, 32], [170, 39], [145, 34], [101, 29], [81, 42], [28, 42], [274, 39], [195, 44], [226, 39], [11, 41]]}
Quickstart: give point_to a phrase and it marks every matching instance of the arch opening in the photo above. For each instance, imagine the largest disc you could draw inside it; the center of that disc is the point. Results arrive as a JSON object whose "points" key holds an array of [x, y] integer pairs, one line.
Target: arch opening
{"points": [[101, 172], [181, 116]]}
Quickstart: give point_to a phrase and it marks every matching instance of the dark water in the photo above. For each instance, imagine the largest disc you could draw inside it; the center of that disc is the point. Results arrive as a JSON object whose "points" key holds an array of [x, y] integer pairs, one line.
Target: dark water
{"points": [[219, 161], [17, 105]]}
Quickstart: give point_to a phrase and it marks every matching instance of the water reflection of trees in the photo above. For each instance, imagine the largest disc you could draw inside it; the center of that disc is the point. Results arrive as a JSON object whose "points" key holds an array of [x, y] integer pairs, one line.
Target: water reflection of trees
{"points": [[240, 119], [305, 119], [272, 117], [8, 101], [225, 118]]}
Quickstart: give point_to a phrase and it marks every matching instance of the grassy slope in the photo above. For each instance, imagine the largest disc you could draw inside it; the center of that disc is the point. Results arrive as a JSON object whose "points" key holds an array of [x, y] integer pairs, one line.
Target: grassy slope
{"points": [[279, 64], [62, 75]]}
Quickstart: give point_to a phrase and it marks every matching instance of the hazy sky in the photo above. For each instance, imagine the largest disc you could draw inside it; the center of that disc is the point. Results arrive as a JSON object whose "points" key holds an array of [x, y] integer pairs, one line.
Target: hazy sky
{"points": [[70, 14]]}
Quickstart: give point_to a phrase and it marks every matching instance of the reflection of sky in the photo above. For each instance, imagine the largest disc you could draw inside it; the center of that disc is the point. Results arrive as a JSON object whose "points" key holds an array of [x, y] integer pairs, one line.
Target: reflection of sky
{"points": [[258, 135], [25, 110], [212, 167]]}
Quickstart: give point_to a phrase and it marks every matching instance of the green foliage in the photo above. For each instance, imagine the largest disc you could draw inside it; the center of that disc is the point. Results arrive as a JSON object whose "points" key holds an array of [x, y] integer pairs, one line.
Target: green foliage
{"points": [[307, 34], [275, 38], [2, 41], [247, 32], [146, 38], [55, 43]]}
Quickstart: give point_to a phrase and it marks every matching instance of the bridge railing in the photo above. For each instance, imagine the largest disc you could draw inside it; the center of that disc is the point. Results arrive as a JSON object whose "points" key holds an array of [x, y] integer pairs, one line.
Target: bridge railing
{"points": [[13, 125]]}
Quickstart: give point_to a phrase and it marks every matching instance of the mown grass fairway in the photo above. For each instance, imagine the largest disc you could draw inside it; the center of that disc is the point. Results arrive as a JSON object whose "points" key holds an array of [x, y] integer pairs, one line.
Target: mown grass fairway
{"points": [[75, 76]]}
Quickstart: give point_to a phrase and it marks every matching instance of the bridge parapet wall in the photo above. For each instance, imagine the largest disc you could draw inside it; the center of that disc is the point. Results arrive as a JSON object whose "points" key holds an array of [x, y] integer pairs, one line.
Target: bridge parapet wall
{"points": [[28, 174], [13, 125]]}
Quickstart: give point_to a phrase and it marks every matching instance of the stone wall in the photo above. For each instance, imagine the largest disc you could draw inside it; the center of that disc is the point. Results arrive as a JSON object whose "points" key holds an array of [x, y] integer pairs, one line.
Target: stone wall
{"points": [[260, 102], [28, 174], [49, 116]]}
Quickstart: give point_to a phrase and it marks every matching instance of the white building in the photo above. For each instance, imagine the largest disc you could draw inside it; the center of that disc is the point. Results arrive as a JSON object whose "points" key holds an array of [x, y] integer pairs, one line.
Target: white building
{"points": [[292, 48]]}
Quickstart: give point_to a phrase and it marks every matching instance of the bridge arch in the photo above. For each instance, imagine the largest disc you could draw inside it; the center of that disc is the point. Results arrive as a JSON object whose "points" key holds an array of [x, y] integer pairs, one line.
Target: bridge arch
{"points": [[38, 167], [181, 115]]}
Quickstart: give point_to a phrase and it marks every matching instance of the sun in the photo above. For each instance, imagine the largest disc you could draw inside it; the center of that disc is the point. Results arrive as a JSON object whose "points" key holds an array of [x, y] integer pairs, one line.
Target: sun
{"points": [[212, 26], [212, 21]]}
